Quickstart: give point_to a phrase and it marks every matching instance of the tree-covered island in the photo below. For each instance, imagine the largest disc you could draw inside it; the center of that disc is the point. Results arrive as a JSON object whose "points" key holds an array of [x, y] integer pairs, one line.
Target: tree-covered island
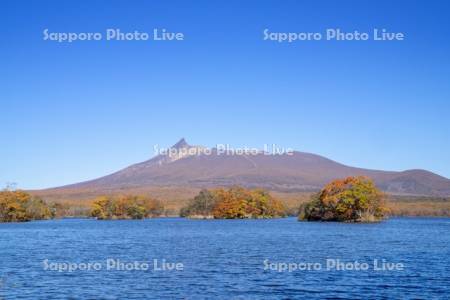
{"points": [[233, 203], [353, 199]]}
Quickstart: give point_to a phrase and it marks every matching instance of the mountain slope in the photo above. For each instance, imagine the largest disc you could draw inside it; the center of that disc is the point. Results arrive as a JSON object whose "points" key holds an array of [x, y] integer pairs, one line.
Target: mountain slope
{"points": [[194, 166]]}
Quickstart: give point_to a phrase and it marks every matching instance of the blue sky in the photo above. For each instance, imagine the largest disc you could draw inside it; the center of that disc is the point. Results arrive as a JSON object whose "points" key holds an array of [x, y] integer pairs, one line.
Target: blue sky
{"points": [[73, 112]]}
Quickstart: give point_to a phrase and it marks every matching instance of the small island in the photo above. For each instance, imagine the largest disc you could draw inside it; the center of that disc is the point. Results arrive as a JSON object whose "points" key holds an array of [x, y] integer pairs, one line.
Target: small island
{"points": [[233, 203], [125, 207], [20, 206], [353, 199]]}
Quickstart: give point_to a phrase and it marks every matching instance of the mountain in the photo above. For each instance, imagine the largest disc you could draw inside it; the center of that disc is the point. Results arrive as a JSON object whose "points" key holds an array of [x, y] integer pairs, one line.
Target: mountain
{"points": [[196, 167]]}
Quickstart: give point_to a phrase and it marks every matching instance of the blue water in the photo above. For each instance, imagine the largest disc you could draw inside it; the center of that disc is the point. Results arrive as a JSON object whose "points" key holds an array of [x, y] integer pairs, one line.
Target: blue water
{"points": [[224, 259]]}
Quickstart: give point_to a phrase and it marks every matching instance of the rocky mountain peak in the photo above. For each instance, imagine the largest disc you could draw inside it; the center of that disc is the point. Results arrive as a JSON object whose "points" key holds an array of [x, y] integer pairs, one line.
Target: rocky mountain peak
{"points": [[181, 144]]}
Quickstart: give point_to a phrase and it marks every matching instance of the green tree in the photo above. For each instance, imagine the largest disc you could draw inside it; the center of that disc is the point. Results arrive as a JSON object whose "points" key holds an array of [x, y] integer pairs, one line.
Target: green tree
{"points": [[202, 204], [37, 209]]}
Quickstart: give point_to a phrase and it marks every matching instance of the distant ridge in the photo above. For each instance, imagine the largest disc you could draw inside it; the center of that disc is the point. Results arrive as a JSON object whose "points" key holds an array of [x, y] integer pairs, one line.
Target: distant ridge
{"points": [[299, 172]]}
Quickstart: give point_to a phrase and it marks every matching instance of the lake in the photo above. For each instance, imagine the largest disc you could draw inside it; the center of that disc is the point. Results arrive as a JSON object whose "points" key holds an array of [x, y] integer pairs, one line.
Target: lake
{"points": [[231, 259]]}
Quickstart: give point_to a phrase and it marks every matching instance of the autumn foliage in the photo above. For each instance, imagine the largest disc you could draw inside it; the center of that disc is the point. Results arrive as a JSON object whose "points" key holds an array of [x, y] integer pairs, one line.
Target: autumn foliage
{"points": [[234, 203], [126, 207], [353, 199], [19, 206]]}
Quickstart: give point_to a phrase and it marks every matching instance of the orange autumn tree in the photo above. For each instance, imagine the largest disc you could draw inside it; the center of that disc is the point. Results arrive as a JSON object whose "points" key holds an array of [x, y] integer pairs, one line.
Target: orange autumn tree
{"points": [[231, 204], [352, 199]]}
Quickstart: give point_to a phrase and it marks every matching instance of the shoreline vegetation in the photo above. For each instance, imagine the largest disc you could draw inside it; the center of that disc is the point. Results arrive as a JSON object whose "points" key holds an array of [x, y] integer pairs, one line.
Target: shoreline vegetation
{"points": [[235, 202]]}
